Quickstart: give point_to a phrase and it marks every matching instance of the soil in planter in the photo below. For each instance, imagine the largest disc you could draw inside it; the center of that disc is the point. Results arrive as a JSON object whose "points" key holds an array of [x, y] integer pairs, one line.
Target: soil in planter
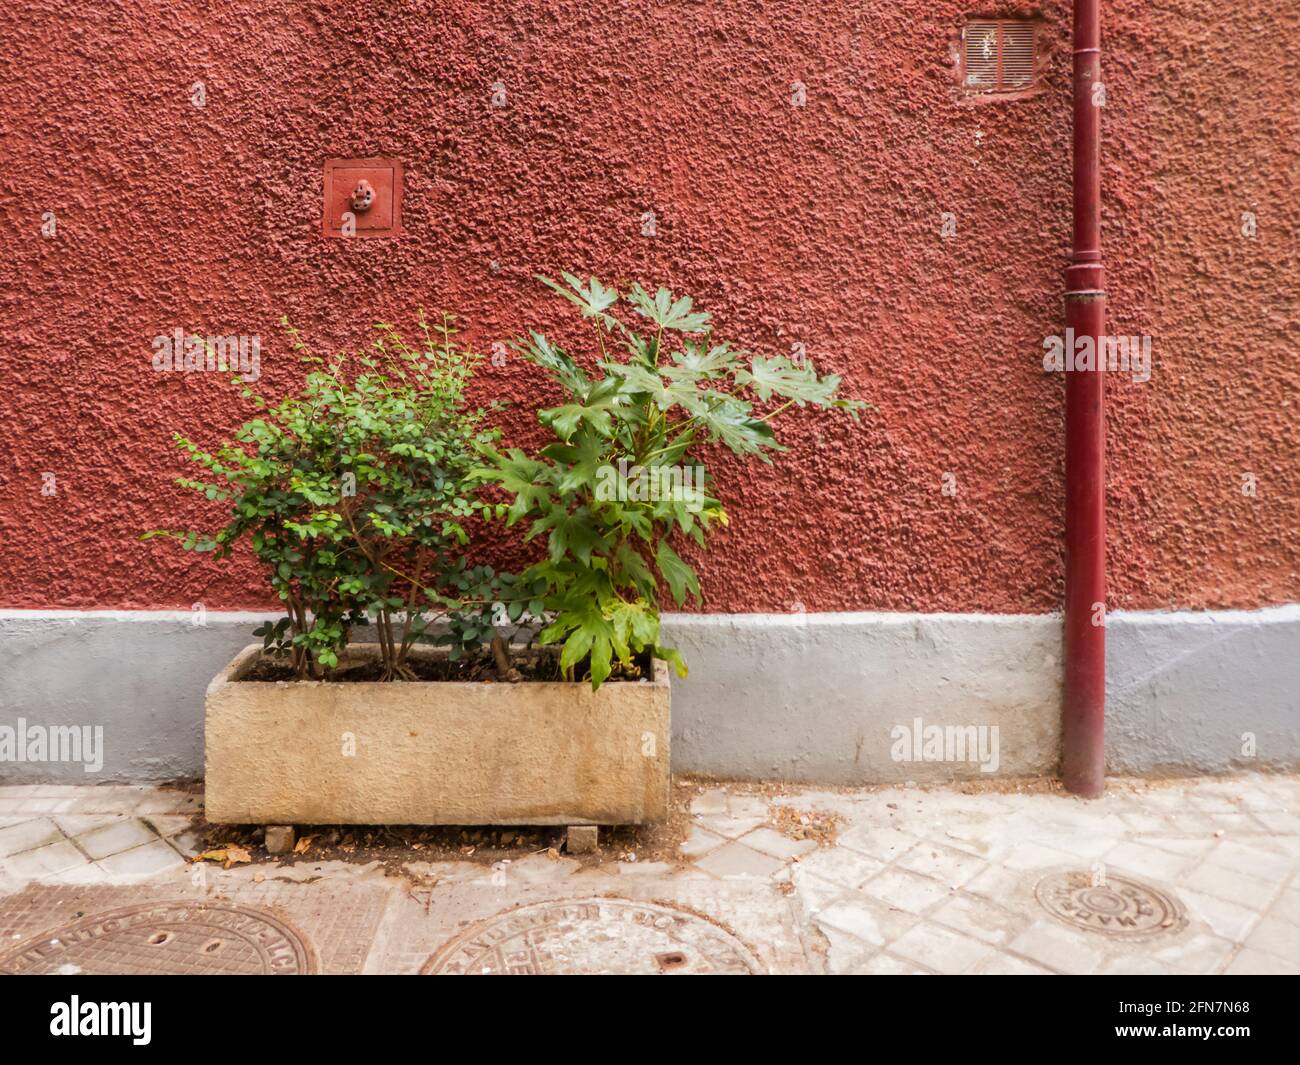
{"points": [[535, 665]]}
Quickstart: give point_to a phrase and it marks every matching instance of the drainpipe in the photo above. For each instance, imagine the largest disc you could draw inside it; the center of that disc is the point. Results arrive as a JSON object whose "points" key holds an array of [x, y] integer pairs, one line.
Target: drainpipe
{"points": [[1083, 723]]}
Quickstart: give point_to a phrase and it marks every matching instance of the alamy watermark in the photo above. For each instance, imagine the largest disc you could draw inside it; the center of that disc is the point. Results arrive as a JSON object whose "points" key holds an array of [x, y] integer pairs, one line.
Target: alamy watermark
{"points": [[946, 743], [192, 353], [647, 484], [1084, 353], [53, 743]]}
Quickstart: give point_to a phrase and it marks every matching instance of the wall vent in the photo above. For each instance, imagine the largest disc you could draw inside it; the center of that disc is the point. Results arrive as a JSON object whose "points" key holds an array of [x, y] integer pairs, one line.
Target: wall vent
{"points": [[999, 56]]}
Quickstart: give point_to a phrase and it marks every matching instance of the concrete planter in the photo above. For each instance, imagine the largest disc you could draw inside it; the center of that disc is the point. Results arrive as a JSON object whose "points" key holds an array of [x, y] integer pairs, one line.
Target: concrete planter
{"points": [[429, 753]]}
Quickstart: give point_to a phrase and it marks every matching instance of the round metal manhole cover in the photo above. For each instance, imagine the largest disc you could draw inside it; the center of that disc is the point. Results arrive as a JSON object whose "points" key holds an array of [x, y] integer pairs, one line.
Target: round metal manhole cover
{"points": [[179, 938], [593, 936], [1116, 906]]}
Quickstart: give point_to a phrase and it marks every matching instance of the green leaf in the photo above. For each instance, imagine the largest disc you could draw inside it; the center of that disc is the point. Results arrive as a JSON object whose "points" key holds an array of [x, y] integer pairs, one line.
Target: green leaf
{"points": [[676, 573], [594, 300], [667, 312], [601, 659], [673, 658], [576, 647]]}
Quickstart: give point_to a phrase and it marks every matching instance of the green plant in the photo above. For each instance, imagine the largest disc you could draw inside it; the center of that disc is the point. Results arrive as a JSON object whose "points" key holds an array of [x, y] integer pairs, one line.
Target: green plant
{"points": [[353, 496], [614, 487]]}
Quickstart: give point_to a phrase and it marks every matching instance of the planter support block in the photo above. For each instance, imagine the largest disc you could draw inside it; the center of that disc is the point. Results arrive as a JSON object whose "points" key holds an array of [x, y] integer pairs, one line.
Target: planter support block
{"points": [[582, 839], [279, 839]]}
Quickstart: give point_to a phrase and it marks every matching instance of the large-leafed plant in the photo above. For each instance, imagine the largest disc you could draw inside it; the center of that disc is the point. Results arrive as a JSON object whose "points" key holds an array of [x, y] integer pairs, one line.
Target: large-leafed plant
{"points": [[624, 475]]}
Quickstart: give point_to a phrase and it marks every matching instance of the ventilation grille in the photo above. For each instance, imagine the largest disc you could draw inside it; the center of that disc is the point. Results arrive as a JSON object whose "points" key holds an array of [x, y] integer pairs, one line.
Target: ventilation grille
{"points": [[998, 55]]}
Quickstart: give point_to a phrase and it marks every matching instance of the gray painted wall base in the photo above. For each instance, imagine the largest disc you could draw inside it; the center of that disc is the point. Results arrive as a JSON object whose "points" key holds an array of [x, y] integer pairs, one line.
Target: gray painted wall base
{"points": [[829, 698]]}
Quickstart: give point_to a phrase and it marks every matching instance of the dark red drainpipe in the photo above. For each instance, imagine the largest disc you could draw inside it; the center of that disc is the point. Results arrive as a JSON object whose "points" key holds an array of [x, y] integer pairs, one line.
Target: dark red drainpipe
{"points": [[1083, 725]]}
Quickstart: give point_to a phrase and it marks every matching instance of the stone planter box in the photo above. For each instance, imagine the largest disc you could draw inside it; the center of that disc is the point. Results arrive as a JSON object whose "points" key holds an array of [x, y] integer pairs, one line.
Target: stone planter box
{"points": [[434, 753]]}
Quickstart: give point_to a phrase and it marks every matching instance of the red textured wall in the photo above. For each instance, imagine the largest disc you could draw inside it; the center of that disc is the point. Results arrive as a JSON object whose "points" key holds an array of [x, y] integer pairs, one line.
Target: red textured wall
{"points": [[817, 224]]}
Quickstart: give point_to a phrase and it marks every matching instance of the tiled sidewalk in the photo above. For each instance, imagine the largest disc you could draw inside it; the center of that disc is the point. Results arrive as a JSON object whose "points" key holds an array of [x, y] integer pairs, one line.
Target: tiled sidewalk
{"points": [[1179, 877], [94, 835]]}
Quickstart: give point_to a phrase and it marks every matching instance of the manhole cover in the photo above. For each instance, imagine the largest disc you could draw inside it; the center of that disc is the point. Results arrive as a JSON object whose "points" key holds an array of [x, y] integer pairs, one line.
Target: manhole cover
{"points": [[589, 936], [179, 938], [1117, 906]]}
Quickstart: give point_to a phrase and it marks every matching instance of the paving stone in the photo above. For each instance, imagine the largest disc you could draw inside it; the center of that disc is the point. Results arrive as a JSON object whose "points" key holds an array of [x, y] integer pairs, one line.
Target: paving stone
{"points": [[43, 807], [883, 964], [1212, 879], [1256, 963], [770, 841], [980, 918], [844, 953], [736, 860], [1134, 965], [542, 868], [188, 843], [1234, 824], [731, 827], [1193, 954], [710, 804], [1212, 802], [814, 892], [168, 803], [452, 872], [1261, 859], [1058, 948], [1279, 821], [700, 841], [979, 843], [840, 865], [1170, 799], [148, 860], [28, 835], [1188, 847], [908, 891], [35, 864], [114, 838], [1256, 799], [1006, 965], [940, 949], [1034, 856], [1184, 824], [1288, 906], [646, 869], [1146, 862], [76, 824], [85, 874], [949, 866], [743, 806], [998, 883], [1146, 822], [1275, 936], [865, 919], [882, 843], [167, 825], [106, 801], [1087, 849], [1224, 918]]}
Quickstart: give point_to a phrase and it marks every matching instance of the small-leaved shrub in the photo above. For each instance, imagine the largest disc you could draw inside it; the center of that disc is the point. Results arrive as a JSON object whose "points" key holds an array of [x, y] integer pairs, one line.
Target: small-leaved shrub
{"points": [[353, 495]]}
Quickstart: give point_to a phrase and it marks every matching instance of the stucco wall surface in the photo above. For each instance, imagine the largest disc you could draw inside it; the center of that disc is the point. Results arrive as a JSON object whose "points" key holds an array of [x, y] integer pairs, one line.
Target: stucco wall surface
{"points": [[816, 224]]}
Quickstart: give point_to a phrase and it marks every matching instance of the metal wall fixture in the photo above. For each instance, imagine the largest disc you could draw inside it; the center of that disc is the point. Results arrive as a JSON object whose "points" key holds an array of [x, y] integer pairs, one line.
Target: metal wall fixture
{"points": [[362, 198]]}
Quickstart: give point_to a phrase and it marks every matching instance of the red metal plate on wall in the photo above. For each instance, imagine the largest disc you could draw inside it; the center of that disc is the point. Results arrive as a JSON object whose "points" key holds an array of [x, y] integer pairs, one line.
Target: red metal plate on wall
{"points": [[383, 218]]}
